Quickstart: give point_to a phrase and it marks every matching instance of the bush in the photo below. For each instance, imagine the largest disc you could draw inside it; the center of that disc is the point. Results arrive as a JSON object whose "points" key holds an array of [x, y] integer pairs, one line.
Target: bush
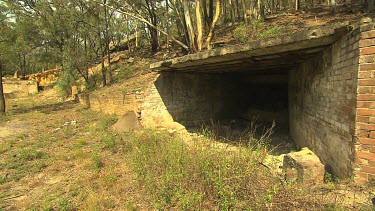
{"points": [[65, 82]]}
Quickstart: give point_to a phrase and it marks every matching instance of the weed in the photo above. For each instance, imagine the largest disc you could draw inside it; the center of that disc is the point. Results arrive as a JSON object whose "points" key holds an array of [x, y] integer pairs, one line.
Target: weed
{"points": [[110, 178], [28, 154], [269, 32], [109, 141], [96, 162], [65, 204], [79, 154], [241, 33], [130, 206], [106, 122], [5, 146], [81, 142]]}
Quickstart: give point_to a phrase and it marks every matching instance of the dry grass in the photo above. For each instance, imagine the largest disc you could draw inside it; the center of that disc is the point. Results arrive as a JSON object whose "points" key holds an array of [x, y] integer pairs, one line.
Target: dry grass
{"points": [[85, 166], [49, 166]]}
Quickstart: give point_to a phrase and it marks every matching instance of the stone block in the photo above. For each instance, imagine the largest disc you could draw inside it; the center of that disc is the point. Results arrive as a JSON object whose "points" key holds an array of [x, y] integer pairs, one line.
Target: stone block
{"points": [[303, 166]]}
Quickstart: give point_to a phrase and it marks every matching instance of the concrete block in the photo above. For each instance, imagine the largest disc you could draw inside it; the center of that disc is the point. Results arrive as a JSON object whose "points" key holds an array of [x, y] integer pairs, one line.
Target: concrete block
{"points": [[303, 166]]}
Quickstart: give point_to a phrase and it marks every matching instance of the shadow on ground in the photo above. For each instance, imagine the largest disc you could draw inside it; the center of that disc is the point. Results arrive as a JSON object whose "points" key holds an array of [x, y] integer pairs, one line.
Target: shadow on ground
{"points": [[46, 109]]}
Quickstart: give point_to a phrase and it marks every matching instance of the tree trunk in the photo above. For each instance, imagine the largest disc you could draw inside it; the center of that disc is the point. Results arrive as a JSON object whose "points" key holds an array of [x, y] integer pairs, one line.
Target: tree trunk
{"points": [[244, 12], [232, 12], [260, 9], [190, 29], [107, 41], [199, 24], [212, 29], [210, 11], [104, 71], [2, 98], [205, 13], [297, 5]]}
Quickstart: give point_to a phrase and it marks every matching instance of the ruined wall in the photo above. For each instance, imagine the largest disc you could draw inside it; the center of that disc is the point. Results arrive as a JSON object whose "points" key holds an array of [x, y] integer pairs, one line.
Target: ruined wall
{"points": [[19, 88], [112, 103], [322, 104], [365, 119]]}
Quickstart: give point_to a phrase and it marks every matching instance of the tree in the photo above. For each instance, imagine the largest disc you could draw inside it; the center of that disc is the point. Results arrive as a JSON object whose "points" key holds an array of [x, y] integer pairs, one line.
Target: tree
{"points": [[4, 40]]}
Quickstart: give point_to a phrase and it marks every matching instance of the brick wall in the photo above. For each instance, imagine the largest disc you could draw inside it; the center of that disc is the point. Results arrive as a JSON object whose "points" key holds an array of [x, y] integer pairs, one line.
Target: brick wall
{"points": [[186, 98], [365, 118], [322, 104]]}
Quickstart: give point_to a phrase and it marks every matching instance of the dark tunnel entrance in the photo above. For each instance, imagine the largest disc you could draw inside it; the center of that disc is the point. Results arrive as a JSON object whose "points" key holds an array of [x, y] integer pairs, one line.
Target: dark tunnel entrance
{"points": [[230, 105]]}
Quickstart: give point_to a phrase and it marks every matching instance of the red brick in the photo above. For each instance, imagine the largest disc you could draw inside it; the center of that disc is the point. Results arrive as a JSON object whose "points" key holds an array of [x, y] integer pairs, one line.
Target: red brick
{"points": [[366, 43], [372, 134], [364, 74], [367, 141], [360, 180], [366, 155], [368, 34], [363, 119], [364, 67], [365, 112], [364, 90], [367, 169], [372, 150], [362, 133], [365, 97], [367, 51], [366, 82], [372, 120], [371, 176], [371, 163], [362, 175], [363, 126], [363, 104]]}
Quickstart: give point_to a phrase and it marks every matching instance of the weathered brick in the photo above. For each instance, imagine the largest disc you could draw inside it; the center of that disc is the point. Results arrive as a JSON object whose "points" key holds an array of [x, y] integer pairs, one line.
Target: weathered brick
{"points": [[362, 133], [368, 34], [364, 90], [366, 141], [363, 119], [366, 42], [365, 155], [367, 51], [371, 176], [364, 126], [362, 104], [365, 112], [365, 97], [367, 59], [372, 134], [360, 180], [371, 162], [364, 74], [367, 169], [365, 67], [366, 82]]}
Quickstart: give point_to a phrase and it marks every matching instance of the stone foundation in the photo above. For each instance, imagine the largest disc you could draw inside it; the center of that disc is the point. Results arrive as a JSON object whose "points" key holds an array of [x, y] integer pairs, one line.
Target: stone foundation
{"points": [[19, 88]]}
